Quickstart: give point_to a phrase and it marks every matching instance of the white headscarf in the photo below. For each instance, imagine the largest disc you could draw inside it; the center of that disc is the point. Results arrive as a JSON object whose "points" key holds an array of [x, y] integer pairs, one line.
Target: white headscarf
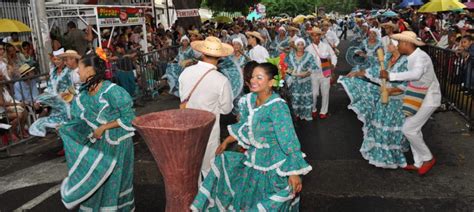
{"points": [[377, 32], [238, 40], [58, 52], [300, 40], [184, 38], [282, 29]]}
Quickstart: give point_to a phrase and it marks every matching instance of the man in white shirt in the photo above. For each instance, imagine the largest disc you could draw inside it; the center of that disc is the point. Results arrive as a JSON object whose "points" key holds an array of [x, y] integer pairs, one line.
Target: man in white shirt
{"points": [[420, 74], [330, 37], [213, 93], [258, 53], [324, 56]]}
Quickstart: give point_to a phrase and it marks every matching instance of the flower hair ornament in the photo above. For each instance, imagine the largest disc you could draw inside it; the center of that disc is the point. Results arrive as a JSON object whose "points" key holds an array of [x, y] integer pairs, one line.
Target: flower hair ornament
{"points": [[279, 79], [101, 53]]}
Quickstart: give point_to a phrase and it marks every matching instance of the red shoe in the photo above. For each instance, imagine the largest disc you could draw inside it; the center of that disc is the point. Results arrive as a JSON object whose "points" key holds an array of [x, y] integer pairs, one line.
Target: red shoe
{"points": [[323, 116], [426, 167], [60, 153], [314, 115], [410, 168]]}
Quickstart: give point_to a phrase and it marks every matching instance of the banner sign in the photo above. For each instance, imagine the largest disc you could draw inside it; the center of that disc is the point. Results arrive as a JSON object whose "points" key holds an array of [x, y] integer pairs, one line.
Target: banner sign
{"points": [[109, 16], [187, 13]]}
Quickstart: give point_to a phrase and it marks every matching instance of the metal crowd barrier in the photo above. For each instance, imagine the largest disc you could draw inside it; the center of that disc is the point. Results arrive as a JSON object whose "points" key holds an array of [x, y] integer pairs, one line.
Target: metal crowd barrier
{"points": [[456, 77], [151, 67], [19, 113]]}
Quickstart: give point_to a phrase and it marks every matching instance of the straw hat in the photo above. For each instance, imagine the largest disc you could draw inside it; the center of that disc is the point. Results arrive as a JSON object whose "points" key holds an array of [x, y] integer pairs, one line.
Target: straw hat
{"points": [[194, 32], [390, 24], [25, 69], [255, 34], [70, 53], [290, 28], [212, 46], [326, 23], [316, 30], [408, 36]]}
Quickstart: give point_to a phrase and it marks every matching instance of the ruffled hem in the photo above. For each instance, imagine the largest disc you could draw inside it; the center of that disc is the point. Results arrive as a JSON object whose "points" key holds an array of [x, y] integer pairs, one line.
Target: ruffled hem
{"points": [[384, 165], [278, 166]]}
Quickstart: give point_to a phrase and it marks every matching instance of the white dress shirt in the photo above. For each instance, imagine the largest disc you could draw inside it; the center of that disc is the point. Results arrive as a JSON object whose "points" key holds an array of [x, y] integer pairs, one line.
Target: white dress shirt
{"points": [[332, 38], [322, 51], [259, 54], [213, 94], [421, 73]]}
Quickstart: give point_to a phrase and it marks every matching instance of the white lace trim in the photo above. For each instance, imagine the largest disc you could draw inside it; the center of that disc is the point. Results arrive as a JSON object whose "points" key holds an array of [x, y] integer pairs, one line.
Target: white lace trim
{"points": [[125, 127], [264, 169], [302, 94], [239, 140], [302, 171], [372, 144], [277, 198], [250, 120], [385, 128], [382, 164]]}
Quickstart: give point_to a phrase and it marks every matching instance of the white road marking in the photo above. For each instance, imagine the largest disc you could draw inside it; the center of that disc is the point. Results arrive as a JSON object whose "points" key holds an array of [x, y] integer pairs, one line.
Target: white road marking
{"points": [[47, 172], [39, 199]]}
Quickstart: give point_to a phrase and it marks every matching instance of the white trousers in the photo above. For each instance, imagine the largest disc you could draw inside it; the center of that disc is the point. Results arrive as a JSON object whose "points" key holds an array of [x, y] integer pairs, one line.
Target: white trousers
{"points": [[412, 130], [322, 83], [212, 145]]}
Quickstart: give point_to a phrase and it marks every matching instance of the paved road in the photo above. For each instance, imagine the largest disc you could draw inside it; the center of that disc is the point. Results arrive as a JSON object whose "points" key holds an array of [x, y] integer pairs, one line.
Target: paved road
{"points": [[341, 179]]}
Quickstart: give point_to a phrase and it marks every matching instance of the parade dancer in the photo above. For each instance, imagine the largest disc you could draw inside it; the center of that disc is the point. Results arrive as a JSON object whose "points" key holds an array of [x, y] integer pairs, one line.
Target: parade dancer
{"points": [[330, 37], [258, 53], [239, 56], [184, 57], [98, 143], [213, 93], [389, 28], [384, 143], [267, 176], [301, 65], [326, 60], [280, 44], [422, 81], [60, 82]]}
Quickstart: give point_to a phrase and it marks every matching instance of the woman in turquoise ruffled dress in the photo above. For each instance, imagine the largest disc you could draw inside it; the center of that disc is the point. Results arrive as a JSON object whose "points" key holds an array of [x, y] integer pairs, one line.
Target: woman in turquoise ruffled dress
{"points": [[384, 143], [173, 70], [300, 65], [98, 144], [363, 93], [60, 80], [267, 175], [280, 44]]}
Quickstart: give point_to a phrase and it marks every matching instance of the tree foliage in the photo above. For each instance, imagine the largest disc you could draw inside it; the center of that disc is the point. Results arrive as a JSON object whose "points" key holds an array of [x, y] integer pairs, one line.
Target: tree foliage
{"points": [[296, 7], [278, 7], [229, 5]]}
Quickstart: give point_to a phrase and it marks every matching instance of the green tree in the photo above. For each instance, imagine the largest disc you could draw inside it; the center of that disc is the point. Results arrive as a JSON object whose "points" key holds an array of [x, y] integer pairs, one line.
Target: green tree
{"points": [[229, 5], [304, 7]]}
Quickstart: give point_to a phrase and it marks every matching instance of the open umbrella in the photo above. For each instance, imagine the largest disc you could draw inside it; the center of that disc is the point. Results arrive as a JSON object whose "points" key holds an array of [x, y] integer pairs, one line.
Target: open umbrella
{"points": [[469, 4], [407, 3], [9, 25], [299, 19], [441, 5], [253, 16], [389, 14]]}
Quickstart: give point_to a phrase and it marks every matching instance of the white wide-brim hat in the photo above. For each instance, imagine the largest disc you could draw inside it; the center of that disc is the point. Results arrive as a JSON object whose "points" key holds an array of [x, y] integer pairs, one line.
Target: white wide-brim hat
{"points": [[256, 35], [212, 46], [408, 36], [70, 53]]}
